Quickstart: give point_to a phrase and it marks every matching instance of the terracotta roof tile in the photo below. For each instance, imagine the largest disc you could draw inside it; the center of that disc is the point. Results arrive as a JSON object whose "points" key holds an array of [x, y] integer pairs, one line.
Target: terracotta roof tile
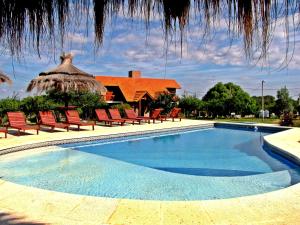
{"points": [[129, 86]]}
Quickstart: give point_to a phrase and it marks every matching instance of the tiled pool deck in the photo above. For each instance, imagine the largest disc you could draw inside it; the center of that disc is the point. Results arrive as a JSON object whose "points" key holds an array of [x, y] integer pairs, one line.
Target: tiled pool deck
{"points": [[48, 207]]}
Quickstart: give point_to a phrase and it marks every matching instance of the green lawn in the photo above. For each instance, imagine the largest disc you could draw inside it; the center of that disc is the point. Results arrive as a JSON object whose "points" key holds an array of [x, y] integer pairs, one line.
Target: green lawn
{"points": [[252, 120], [258, 120]]}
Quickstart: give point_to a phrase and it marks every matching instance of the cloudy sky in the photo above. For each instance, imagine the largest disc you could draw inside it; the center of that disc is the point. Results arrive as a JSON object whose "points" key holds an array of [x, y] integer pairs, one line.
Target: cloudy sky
{"points": [[127, 46]]}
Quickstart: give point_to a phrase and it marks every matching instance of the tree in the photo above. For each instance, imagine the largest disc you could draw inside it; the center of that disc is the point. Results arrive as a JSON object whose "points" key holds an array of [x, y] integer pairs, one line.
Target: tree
{"points": [[9, 105], [215, 99], [223, 99], [297, 105], [166, 101], [284, 103], [32, 105], [188, 104], [269, 102]]}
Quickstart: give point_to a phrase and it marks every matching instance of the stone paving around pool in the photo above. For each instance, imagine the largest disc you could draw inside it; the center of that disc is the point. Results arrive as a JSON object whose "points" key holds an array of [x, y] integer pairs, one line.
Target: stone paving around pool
{"points": [[19, 204]]}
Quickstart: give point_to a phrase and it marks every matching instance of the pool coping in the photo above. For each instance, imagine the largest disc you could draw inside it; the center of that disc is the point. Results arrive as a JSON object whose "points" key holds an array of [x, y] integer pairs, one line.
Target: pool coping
{"points": [[267, 142], [277, 207], [101, 137], [8, 150]]}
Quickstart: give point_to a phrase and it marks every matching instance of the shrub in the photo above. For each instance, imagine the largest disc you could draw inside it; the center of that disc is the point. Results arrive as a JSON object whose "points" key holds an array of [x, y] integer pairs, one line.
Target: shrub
{"points": [[32, 105], [86, 102], [9, 105], [287, 120]]}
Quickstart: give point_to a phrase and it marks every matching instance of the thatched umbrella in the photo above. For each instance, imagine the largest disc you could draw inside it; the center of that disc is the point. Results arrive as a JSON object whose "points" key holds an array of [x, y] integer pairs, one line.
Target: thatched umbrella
{"points": [[44, 19], [4, 79], [66, 78]]}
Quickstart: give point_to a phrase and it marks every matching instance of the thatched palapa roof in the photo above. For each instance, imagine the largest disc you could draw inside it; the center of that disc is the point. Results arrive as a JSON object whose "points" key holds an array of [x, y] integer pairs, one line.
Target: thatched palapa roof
{"points": [[4, 79], [253, 20], [64, 78]]}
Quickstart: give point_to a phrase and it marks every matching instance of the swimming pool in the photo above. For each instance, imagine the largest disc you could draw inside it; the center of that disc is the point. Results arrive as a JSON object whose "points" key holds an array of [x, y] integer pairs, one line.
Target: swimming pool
{"points": [[201, 164]]}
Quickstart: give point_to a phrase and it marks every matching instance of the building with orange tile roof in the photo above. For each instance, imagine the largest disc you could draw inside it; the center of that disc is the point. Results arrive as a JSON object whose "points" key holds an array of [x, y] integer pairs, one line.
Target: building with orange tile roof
{"points": [[136, 90]]}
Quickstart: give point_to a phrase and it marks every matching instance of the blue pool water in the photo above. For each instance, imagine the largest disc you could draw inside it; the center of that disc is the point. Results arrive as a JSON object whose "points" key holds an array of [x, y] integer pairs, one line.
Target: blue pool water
{"points": [[203, 164]]}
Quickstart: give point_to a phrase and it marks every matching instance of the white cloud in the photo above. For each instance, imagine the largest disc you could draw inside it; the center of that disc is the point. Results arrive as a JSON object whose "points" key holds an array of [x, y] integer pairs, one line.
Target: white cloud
{"points": [[77, 38], [203, 61], [76, 52]]}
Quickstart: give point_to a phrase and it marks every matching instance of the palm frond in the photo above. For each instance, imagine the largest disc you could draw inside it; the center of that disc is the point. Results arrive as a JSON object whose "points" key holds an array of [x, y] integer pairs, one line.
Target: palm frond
{"points": [[253, 19], [5, 79]]}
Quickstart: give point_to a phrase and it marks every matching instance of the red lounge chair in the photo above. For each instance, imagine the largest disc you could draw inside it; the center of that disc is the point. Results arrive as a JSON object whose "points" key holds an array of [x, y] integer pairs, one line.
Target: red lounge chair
{"points": [[17, 120], [174, 113], [3, 129], [47, 119], [115, 115], [103, 117], [131, 115], [74, 119], [156, 115]]}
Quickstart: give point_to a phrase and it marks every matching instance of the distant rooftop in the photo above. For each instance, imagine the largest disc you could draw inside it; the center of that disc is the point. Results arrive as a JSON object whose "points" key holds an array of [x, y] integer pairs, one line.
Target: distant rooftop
{"points": [[134, 84]]}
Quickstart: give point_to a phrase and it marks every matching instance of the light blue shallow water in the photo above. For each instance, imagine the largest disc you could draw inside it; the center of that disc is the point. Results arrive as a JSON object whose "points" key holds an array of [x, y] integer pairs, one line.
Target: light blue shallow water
{"points": [[205, 164]]}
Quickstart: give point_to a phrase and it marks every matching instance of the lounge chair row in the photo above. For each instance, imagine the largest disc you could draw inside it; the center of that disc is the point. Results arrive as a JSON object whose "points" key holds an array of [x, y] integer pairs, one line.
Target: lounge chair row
{"points": [[17, 120]]}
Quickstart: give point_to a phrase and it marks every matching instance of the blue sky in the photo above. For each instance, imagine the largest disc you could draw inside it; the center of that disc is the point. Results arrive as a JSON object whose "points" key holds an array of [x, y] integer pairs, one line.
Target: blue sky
{"points": [[127, 46]]}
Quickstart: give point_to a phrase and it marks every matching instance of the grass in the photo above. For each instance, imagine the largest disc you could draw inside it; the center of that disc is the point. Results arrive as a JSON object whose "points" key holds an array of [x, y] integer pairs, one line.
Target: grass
{"points": [[296, 123], [251, 120], [258, 120]]}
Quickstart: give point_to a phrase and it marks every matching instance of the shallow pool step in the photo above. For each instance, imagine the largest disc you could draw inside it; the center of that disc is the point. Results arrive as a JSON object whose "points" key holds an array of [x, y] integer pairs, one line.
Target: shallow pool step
{"points": [[208, 172]]}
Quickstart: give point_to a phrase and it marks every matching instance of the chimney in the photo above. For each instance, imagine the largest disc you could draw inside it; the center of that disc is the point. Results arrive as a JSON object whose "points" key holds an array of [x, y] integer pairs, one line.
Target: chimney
{"points": [[134, 74]]}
